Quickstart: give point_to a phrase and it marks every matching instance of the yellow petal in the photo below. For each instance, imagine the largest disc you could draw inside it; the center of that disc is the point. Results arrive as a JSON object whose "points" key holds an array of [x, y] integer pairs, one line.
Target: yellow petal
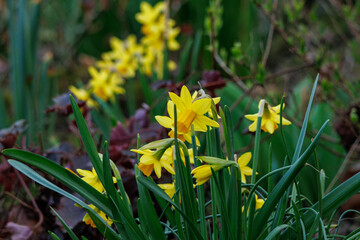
{"points": [[244, 159], [157, 169], [84, 173], [177, 101], [146, 169], [252, 117], [170, 109], [147, 159], [246, 171], [216, 100], [201, 106], [252, 127], [277, 108], [186, 96], [164, 121], [168, 167], [269, 125]]}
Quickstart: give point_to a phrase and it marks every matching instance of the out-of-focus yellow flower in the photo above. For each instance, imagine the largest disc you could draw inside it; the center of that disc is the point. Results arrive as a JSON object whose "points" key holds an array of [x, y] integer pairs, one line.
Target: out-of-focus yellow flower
{"points": [[105, 84], [169, 188], [154, 160], [270, 118], [92, 179], [83, 95], [243, 161], [124, 56], [87, 219], [189, 112], [149, 14], [203, 173]]}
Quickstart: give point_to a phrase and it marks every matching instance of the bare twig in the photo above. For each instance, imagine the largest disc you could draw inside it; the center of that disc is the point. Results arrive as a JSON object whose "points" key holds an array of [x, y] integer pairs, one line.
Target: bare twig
{"points": [[270, 36], [41, 216], [234, 77]]}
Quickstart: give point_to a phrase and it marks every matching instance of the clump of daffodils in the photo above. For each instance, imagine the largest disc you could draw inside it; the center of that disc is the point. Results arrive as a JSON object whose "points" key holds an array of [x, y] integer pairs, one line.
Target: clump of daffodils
{"points": [[131, 55]]}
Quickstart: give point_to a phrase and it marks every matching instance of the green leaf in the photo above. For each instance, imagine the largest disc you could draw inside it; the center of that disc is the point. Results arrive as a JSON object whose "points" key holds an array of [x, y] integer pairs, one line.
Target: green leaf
{"points": [[67, 228], [335, 198], [276, 231], [283, 184], [150, 219], [163, 143], [53, 235], [305, 122], [184, 60], [99, 222], [66, 177], [87, 140], [158, 191]]}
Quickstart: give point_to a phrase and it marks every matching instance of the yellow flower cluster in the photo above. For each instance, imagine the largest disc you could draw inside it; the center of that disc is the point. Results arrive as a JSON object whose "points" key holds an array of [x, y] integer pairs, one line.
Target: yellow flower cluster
{"points": [[130, 55], [190, 110], [104, 84]]}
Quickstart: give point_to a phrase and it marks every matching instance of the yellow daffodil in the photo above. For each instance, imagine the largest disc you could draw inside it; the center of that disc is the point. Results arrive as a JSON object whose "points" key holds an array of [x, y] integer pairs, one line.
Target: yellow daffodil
{"points": [[83, 95], [105, 84], [270, 119], [149, 14], [169, 153], [259, 202], [200, 94], [169, 188], [189, 112], [124, 56], [92, 179], [154, 161], [203, 173], [87, 219], [243, 161]]}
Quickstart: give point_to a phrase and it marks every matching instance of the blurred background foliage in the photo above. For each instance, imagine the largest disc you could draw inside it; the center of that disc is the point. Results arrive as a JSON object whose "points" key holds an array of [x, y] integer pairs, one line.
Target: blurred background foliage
{"points": [[240, 50]]}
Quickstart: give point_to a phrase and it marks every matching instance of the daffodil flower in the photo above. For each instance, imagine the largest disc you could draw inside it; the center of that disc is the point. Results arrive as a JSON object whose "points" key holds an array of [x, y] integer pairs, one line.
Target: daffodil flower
{"points": [[203, 173], [243, 161], [169, 188], [259, 202], [105, 84], [270, 119], [92, 179], [87, 219], [153, 160], [148, 13], [189, 112]]}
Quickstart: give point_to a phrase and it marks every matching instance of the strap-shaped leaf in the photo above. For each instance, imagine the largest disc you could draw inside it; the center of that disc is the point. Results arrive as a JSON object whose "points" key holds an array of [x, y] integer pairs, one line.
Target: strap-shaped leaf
{"points": [[99, 222], [64, 176]]}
